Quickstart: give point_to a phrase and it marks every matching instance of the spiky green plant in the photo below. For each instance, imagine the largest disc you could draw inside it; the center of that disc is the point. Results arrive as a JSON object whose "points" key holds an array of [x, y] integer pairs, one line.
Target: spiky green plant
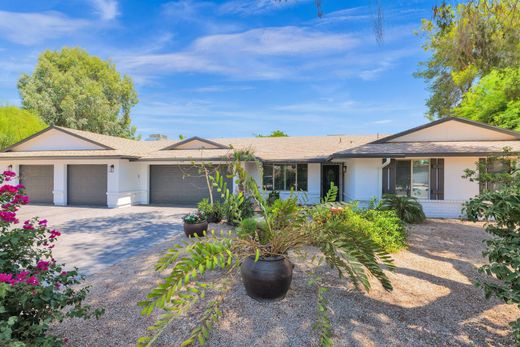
{"points": [[284, 226], [407, 208]]}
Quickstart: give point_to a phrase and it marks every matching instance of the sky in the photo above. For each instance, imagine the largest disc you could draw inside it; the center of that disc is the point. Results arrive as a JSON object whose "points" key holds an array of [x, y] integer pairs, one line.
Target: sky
{"points": [[237, 68]]}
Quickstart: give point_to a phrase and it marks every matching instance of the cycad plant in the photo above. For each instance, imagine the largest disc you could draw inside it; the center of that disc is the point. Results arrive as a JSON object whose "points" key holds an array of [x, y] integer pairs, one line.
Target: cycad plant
{"points": [[284, 225], [407, 208]]}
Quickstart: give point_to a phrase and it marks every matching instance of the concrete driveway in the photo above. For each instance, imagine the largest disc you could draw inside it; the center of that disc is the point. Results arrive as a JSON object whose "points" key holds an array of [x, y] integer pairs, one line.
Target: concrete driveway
{"points": [[94, 238]]}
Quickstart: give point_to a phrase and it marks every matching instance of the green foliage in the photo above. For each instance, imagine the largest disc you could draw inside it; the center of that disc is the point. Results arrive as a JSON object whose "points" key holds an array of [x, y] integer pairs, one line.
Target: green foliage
{"points": [[331, 195], [194, 217], [35, 291], [274, 133], [467, 41], [214, 212], [494, 100], [407, 208], [386, 229], [17, 124], [182, 288], [232, 203], [502, 208], [73, 89], [284, 225]]}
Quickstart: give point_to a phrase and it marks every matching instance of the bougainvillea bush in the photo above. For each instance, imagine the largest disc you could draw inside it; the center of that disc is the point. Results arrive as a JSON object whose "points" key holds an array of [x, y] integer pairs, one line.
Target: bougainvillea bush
{"points": [[35, 290]]}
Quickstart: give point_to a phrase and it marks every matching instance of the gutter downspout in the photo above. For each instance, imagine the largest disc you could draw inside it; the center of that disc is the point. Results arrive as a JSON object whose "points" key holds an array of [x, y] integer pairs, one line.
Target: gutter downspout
{"points": [[385, 164]]}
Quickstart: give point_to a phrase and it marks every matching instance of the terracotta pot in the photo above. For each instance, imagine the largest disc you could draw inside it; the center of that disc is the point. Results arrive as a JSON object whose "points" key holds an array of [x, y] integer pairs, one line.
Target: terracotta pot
{"points": [[267, 279], [195, 229]]}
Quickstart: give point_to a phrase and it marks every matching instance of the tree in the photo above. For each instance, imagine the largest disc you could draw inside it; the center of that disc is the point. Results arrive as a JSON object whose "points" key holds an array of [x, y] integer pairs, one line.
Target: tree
{"points": [[501, 209], [17, 124], [274, 133], [495, 100], [467, 42], [73, 89]]}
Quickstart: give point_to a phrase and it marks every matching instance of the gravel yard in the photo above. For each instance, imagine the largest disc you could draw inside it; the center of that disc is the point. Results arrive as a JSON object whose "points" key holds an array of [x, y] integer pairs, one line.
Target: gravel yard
{"points": [[433, 303]]}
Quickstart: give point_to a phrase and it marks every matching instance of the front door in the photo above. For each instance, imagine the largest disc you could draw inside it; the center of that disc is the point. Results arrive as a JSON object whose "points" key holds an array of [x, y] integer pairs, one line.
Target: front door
{"points": [[329, 174]]}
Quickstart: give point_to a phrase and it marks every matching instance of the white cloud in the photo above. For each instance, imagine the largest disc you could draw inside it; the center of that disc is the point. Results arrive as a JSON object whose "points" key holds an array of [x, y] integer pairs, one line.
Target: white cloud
{"points": [[266, 53], [28, 28], [255, 7], [106, 9]]}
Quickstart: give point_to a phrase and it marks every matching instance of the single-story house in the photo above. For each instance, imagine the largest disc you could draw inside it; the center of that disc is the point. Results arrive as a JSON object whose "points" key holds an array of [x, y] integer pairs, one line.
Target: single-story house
{"points": [[64, 166]]}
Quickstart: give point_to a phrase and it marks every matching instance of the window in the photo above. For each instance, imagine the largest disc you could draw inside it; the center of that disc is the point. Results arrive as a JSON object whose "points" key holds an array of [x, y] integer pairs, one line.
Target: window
{"points": [[285, 177], [495, 167], [413, 178]]}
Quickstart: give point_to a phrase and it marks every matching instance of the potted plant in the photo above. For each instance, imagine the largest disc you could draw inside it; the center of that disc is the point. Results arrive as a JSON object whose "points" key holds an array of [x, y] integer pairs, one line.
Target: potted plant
{"points": [[213, 211], [259, 254], [195, 223]]}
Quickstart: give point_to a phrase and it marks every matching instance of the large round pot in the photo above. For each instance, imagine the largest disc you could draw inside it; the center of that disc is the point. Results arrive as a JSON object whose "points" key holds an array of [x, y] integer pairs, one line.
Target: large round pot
{"points": [[267, 279], [195, 229]]}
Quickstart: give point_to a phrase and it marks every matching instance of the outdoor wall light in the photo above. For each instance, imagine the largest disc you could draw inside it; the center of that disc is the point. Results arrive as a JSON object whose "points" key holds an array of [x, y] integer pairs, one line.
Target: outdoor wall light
{"points": [[10, 167], [111, 170]]}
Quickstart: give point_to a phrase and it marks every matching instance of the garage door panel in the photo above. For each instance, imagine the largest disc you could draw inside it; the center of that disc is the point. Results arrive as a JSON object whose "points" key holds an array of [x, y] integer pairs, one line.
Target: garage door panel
{"points": [[39, 182], [87, 185], [179, 184]]}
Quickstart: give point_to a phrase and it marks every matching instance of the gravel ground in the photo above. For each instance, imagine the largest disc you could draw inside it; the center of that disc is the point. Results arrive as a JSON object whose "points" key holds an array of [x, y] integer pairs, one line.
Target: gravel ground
{"points": [[433, 303]]}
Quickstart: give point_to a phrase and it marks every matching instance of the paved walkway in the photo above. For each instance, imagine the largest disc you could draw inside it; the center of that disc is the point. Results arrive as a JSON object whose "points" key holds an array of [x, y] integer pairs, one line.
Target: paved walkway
{"points": [[94, 238]]}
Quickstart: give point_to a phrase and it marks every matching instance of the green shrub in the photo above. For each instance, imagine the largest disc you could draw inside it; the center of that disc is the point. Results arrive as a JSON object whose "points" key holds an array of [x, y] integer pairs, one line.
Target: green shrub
{"points": [[407, 208], [214, 213], [388, 230], [384, 228]]}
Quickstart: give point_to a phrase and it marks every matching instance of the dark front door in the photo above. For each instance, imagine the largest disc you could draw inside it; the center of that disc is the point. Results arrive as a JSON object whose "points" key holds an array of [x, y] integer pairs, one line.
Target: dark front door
{"points": [[329, 174]]}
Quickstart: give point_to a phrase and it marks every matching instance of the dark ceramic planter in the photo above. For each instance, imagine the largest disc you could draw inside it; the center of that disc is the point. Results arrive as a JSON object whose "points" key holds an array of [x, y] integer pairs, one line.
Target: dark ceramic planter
{"points": [[213, 219], [195, 229], [267, 279]]}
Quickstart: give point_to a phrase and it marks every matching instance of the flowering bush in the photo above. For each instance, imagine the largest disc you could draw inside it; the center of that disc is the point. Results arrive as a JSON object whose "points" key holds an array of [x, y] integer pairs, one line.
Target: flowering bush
{"points": [[35, 291], [194, 217]]}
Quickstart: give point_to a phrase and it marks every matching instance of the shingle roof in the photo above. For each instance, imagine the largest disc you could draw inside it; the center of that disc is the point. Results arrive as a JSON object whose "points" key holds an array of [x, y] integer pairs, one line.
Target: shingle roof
{"points": [[294, 148], [420, 149]]}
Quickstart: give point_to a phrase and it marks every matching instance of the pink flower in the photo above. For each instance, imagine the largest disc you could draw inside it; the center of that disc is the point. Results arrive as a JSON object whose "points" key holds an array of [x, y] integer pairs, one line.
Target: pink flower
{"points": [[7, 188], [54, 234], [8, 175], [42, 222], [64, 273], [7, 278], [32, 281], [22, 276], [8, 217], [43, 265], [21, 199]]}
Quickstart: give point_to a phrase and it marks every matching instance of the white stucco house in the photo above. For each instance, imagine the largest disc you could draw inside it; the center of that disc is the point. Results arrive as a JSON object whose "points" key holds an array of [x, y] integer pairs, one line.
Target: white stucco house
{"points": [[71, 167]]}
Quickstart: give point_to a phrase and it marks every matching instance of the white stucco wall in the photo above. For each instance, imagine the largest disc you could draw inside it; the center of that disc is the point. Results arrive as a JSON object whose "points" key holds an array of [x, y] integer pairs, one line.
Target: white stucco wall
{"points": [[454, 131], [55, 140], [363, 181]]}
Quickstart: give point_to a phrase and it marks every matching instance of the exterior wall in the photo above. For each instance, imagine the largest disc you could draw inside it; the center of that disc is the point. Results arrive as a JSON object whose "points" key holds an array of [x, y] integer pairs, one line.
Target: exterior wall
{"points": [[313, 194], [454, 131], [55, 140], [362, 182], [133, 184]]}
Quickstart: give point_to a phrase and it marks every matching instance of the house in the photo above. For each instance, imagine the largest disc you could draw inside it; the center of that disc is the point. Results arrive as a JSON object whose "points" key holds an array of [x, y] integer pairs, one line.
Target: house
{"points": [[71, 167]]}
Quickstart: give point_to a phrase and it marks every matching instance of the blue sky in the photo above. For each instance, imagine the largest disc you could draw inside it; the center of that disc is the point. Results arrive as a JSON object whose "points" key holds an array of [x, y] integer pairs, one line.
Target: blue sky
{"points": [[237, 68]]}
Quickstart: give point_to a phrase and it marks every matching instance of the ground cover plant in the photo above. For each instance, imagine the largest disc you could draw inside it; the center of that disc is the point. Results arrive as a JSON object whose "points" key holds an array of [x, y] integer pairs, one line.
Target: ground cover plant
{"points": [[408, 209], [35, 290]]}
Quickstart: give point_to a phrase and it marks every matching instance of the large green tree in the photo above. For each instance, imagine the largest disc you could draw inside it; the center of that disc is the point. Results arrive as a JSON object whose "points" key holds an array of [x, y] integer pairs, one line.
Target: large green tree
{"points": [[17, 124], [74, 89], [467, 41], [274, 133], [495, 100]]}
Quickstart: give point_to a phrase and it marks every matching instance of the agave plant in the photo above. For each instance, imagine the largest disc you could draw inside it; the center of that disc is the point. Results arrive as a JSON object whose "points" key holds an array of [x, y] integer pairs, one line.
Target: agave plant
{"points": [[407, 208], [284, 225]]}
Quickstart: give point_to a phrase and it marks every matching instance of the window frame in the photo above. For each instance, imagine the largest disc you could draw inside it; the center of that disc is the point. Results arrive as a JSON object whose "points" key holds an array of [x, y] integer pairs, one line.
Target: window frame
{"points": [[411, 177], [284, 174]]}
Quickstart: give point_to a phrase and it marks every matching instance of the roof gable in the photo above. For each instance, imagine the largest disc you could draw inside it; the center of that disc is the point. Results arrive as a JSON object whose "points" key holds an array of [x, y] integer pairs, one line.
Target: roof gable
{"points": [[55, 139], [452, 130], [196, 143]]}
